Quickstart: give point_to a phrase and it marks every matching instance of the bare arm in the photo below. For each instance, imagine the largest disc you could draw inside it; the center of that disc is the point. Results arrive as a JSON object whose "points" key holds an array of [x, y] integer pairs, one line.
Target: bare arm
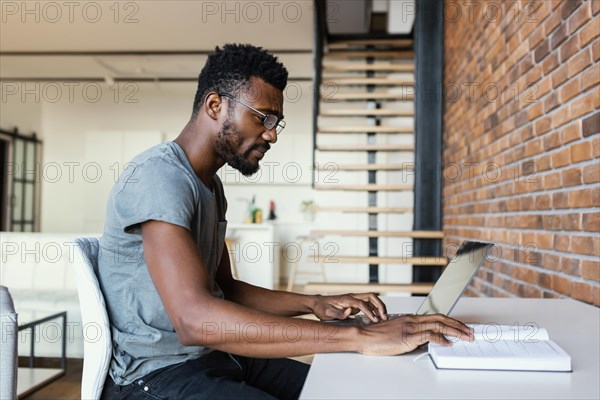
{"points": [[272, 301], [199, 318], [292, 304]]}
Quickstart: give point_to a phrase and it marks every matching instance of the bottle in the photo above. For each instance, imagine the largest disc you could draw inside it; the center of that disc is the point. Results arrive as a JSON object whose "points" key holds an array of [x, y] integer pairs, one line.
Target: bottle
{"points": [[258, 217], [272, 215]]}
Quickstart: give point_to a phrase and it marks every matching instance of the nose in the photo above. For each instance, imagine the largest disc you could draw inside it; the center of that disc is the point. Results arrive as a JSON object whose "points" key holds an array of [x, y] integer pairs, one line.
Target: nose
{"points": [[270, 136]]}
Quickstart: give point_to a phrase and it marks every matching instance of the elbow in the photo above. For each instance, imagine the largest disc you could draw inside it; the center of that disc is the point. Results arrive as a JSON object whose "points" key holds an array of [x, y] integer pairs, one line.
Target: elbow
{"points": [[196, 330]]}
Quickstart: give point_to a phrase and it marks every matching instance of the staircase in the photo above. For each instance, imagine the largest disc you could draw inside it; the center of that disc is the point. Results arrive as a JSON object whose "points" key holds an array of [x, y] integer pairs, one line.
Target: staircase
{"points": [[364, 153]]}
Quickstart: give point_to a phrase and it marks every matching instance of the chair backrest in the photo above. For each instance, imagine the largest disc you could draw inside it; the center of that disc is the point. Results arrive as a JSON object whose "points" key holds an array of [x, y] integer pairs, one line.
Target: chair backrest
{"points": [[97, 343], [8, 346]]}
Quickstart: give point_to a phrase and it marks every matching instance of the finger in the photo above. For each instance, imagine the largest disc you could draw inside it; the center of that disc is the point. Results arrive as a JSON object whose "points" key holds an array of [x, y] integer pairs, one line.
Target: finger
{"points": [[449, 321], [446, 330], [433, 337], [378, 306], [364, 307]]}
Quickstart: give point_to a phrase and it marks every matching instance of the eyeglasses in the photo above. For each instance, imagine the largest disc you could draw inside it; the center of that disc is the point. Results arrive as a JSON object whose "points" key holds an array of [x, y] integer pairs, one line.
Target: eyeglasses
{"points": [[269, 121]]}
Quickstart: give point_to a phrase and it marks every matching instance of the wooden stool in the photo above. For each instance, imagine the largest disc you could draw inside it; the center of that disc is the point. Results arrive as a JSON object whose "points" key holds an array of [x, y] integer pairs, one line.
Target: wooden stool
{"points": [[230, 243]]}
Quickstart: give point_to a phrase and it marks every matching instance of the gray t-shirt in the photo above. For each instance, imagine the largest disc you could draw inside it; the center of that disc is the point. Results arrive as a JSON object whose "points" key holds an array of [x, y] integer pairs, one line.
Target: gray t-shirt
{"points": [[159, 184]]}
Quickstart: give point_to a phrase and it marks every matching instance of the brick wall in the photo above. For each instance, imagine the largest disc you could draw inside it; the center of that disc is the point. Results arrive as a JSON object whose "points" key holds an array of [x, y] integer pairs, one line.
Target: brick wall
{"points": [[522, 144]]}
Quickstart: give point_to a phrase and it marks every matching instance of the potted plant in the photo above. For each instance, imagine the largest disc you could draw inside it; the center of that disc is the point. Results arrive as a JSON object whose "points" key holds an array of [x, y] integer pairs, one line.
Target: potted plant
{"points": [[308, 210]]}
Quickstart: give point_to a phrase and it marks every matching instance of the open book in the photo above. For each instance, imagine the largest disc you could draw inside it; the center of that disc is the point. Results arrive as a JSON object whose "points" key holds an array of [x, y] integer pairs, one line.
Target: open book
{"points": [[503, 347]]}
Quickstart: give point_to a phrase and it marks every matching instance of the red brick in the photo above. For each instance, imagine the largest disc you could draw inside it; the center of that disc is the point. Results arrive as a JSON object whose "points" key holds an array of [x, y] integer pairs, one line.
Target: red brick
{"points": [[569, 90], [568, 7], [551, 261], [543, 163], [571, 177], [582, 198], [560, 200], [535, 38], [591, 125], [591, 173], [595, 7], [590, 78], [585, 104], [561, 158], [585, 292], [544, 240], [534, 110], [541, 50], [562, 116], [551, 141], [570, 266], [542, 202], [596, 50], [559, 36], [559, 76], [580, 17], [555, 4], [591, 222], [561, 284], [579, 62], [570, 222], [580, 152], [571, 132], [562, 242], [545, 280], [590, 270], [552, 180], [584, 245], [569, 48], [551, 222], [589, 32], [543, 125], [550, 63]]}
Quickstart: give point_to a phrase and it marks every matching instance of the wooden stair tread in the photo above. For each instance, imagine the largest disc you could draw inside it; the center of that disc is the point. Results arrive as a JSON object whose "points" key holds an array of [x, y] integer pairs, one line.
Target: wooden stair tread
{"points": [[365, 96], [368, 81], [417, 288], [405, 234], [367, 147], [335, 259], [344, 44], [360, 112], [372, 210], [379, 66], [398, 54], [361, 167], [365, 129], [369, 187]]}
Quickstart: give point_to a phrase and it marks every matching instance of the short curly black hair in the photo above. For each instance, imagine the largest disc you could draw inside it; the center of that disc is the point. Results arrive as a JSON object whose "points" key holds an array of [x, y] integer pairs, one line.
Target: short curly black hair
{"points": [[229, 69]]}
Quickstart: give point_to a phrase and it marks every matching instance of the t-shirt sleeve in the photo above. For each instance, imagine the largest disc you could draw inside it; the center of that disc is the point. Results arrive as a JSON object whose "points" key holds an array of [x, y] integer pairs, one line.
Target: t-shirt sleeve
{"points": [[154, 190]]}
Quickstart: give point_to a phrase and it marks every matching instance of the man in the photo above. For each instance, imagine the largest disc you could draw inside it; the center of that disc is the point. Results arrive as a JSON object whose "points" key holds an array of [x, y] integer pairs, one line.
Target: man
{"points": [[182, 326]]}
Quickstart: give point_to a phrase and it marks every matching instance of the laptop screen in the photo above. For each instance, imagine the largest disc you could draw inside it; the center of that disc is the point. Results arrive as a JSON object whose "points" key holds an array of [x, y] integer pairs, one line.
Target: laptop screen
{"points": [[457, 275]]}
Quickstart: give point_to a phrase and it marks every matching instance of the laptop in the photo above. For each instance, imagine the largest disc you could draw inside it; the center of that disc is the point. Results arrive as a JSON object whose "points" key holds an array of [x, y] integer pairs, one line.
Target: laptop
{"points": [[449, 287]]}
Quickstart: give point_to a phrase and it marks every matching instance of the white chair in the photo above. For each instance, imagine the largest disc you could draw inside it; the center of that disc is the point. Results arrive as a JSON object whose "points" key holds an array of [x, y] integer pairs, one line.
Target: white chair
{"points": [[97, 342], [8, 346]]}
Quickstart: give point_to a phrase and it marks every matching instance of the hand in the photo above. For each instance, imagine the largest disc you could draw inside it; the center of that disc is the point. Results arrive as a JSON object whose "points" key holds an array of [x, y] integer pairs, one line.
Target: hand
{"points": [[342, 306], [406, 333]]}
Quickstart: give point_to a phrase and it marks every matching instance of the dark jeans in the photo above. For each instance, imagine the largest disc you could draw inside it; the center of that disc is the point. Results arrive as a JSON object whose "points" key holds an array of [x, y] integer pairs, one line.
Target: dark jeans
{"points": [[217, 375]]}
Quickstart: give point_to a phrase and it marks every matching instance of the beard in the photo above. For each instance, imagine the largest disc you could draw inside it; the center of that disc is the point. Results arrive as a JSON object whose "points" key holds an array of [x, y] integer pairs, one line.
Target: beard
{"points": [[228, 141]]}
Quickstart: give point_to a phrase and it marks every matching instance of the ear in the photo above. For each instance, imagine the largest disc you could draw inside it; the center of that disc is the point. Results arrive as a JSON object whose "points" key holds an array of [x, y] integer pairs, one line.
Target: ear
{"points": [[213, 105]]}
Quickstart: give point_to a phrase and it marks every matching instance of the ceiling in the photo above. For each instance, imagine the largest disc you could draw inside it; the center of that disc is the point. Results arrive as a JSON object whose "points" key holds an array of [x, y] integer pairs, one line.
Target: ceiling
{"points": [[146, 39]]}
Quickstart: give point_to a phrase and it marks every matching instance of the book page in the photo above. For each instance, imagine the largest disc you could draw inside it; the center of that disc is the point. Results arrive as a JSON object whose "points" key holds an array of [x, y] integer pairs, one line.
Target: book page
{"points": [[492, 333], [501, 348]]}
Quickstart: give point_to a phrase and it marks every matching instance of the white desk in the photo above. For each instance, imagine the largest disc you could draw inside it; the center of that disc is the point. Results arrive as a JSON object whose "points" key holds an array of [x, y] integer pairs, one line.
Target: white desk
{"points": [[573, 325]]}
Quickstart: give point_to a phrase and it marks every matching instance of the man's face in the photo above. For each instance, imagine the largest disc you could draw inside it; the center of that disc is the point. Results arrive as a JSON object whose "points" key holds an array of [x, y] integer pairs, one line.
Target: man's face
{"points": [[243, 140]]}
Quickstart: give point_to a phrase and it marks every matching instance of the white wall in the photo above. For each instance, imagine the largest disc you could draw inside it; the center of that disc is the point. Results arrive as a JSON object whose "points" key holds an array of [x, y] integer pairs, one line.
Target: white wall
{"points": [[163, 108]]}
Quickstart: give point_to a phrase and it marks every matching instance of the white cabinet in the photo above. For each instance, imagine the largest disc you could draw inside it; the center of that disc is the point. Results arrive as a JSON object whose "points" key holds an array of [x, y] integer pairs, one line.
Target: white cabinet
{"points": [[255, 252]]}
